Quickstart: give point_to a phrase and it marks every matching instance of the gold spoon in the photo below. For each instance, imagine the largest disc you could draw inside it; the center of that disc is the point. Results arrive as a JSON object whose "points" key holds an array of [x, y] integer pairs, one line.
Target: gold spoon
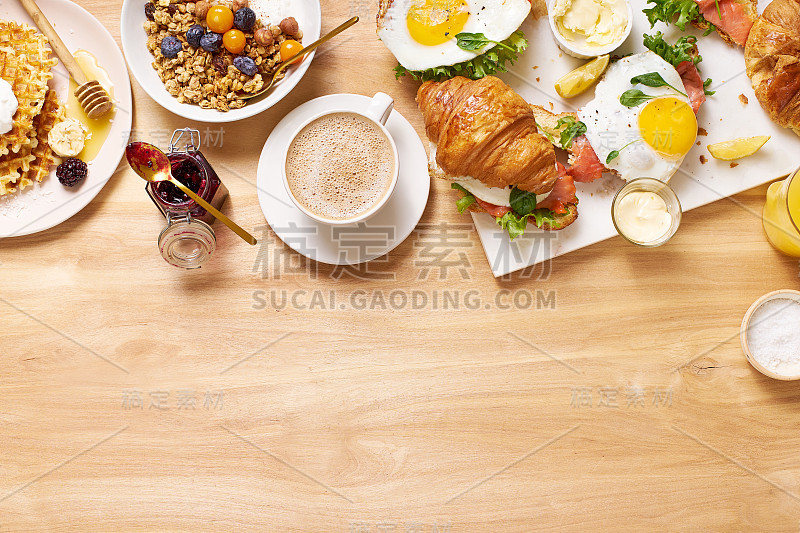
{"points": [[151, 164], [333, 33]]}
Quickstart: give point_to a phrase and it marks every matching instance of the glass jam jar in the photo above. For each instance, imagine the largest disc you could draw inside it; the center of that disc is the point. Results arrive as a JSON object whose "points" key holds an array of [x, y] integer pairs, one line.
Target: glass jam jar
{"points": [[188, 240]]}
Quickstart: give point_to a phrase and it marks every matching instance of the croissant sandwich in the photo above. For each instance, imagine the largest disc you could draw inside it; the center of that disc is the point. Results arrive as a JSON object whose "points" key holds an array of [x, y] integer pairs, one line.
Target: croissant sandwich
{"points": [[485, 140], [772, 58]]}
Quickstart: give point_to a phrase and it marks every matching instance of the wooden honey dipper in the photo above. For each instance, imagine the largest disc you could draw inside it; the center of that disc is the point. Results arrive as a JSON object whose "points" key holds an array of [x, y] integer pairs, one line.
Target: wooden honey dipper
{"points": [[90, 94]]}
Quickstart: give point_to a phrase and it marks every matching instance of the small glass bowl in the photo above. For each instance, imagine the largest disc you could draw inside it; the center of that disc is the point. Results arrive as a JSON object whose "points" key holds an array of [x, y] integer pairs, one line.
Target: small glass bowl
{"points": [[661, 189], [786, 294], [584, 53]]}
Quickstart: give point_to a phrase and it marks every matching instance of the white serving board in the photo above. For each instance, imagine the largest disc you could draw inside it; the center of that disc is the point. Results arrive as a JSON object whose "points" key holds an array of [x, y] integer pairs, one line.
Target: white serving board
{"points": [[723, 116]]}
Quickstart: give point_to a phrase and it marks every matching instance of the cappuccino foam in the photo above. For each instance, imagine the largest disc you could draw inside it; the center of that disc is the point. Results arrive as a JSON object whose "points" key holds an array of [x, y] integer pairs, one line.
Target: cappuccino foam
{"points": [[339, 166]]}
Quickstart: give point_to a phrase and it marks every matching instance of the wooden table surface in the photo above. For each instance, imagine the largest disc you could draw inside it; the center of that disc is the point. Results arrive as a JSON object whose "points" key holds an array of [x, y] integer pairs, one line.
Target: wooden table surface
{"points": [[605, 390]]}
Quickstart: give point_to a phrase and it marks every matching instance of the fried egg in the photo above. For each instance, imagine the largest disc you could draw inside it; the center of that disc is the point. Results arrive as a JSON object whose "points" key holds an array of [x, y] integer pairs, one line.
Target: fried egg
{"points": [[653, 137], [421, 33]]}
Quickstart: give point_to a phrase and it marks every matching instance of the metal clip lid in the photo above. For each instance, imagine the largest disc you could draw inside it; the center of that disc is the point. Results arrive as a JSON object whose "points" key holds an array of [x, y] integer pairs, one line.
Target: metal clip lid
{"points": [[191, 145]]}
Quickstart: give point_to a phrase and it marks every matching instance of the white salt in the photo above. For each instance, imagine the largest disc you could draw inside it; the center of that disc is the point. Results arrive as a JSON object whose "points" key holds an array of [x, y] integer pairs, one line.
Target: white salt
{"points": [[773, 336]]}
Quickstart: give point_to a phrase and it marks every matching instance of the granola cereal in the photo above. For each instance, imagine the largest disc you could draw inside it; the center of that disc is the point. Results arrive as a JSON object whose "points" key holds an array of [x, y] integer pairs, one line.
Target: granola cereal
{"points": [[199, 77]]}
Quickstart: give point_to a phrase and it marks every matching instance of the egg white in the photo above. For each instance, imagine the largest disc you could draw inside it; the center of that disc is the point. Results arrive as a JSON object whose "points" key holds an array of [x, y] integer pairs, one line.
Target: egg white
{"points": [[493, 195], [610, 125], [496, 19]]}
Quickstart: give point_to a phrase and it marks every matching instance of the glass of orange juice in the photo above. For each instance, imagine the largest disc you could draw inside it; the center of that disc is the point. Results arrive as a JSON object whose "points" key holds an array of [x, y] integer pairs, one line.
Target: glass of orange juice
{"points": [[781, 215]]}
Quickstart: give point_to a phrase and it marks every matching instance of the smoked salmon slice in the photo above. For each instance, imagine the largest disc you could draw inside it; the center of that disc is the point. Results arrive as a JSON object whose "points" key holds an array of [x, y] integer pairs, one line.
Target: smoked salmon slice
{"points": [[736, 20], [692, 83]]}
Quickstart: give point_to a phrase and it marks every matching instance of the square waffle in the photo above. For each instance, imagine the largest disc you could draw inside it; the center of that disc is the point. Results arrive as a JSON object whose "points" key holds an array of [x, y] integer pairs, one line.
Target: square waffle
{"points": [[43, 156], [25, 64]]}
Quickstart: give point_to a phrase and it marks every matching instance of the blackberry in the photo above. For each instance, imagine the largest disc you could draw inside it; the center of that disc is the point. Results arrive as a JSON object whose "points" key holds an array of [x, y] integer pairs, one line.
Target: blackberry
{"points": [[211, 42], [194, 35], [71, 172], [246, 65], [149, 9], [170, 46], [244, 19]]}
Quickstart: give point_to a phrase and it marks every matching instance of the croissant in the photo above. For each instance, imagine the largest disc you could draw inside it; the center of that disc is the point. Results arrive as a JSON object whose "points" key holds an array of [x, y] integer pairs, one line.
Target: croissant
{"points": [[484, 129], [772, 58]]}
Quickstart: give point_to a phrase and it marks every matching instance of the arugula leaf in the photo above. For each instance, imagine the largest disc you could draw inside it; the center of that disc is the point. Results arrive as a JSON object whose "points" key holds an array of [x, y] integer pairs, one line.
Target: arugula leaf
{"points": [[486, 64], [466, 200], [666, 11], [476, 41], [613, 154], [683, 50], [653, 79], [634, 97], [545, 133], [522, 202], [575, 128]]}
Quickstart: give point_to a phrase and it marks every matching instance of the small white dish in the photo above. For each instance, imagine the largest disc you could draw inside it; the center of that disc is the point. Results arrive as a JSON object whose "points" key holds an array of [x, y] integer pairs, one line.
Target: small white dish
{"points": [[786, 294], [584, 53], [49, 203], [353, 243], [134, 43]]}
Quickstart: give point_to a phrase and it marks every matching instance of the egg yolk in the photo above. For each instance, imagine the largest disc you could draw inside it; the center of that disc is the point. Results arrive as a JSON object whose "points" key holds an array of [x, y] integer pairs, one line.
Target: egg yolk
{"points": [[433, 22], [669, 126]]}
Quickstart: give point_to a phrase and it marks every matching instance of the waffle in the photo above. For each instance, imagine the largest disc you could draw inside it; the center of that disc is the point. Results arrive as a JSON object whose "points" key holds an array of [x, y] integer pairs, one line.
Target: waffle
{"points": [[14, 165], [44, 157], [25, 64]]}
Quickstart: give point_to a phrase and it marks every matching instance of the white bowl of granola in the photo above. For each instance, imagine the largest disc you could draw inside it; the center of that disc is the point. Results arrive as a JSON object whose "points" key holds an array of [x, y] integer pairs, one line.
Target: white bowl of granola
{"points": [[194, 86]]}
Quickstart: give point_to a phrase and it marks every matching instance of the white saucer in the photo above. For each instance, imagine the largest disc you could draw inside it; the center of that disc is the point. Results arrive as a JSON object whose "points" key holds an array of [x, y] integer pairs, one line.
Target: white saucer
{"points": [[355, 243]]}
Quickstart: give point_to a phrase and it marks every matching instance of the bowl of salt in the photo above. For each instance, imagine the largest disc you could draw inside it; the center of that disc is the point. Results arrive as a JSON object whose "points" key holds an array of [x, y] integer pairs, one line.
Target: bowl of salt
{"points": [[770, 335]]}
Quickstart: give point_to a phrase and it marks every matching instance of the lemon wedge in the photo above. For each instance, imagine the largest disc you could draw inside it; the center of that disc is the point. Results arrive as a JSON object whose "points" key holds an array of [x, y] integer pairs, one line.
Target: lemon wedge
{"points": [[581, 78], [737, 148]]}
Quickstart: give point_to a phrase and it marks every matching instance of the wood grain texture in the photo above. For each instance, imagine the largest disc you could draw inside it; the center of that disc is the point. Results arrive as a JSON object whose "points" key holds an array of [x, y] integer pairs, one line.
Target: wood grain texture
{"points": [[621, 402]]}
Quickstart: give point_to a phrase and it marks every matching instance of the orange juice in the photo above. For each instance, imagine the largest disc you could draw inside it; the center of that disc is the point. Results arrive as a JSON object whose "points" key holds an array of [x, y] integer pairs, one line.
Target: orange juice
{"points": [[782, 215]]}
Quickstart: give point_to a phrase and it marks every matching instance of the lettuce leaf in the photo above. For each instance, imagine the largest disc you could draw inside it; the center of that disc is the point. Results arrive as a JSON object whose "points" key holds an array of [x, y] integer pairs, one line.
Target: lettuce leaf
{"points": [[515, 223], [491, 62], [666, 11], [466, 200]]}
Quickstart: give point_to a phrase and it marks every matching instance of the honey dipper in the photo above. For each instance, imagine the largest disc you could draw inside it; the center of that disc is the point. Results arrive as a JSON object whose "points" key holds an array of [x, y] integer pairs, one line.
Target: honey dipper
{"points": [[90, 94]]}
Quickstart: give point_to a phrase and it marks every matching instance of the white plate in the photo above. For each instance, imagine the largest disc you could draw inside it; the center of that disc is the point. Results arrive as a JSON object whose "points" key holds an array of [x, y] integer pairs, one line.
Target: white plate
{"points": [[696, 184], [354, 243], [134, 43], [49, 203]]}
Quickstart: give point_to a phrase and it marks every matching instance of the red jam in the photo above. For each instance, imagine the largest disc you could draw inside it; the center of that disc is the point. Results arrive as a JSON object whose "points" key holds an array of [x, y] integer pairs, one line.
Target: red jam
{"points": [[194, 171]]}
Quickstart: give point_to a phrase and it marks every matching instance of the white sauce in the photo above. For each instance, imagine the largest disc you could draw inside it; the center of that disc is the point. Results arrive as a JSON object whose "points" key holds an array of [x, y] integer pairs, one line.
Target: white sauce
{"points": [[8, 106], [642, 216]]}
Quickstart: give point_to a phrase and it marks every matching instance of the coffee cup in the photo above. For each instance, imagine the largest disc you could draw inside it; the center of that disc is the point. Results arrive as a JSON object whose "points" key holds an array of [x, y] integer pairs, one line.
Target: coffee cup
{"points": [[341, 166]]}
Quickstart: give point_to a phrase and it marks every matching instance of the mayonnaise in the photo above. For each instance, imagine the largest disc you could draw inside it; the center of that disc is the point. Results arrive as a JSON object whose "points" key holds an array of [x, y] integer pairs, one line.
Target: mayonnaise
{"points": [[8, 106], [642, 216], [589, 24]]}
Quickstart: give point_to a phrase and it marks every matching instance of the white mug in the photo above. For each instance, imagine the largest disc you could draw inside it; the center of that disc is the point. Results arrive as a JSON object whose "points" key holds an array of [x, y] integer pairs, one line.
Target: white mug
{"points": [[377, 113]]}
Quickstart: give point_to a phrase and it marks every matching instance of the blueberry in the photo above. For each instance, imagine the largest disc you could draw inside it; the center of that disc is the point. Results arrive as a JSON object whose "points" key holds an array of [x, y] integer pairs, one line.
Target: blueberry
{"points": [[211, 42], [244, 19], [246, 65], [194, 35], [170, 46]]}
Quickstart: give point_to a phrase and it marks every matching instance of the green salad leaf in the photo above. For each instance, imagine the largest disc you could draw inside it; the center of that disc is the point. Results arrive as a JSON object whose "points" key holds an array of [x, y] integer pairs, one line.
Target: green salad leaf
{"points": [[466, 200], [679, 11], [654, 79], [522, 202], [476, 41], [684, 49], [490, 62], [575, 128]]}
